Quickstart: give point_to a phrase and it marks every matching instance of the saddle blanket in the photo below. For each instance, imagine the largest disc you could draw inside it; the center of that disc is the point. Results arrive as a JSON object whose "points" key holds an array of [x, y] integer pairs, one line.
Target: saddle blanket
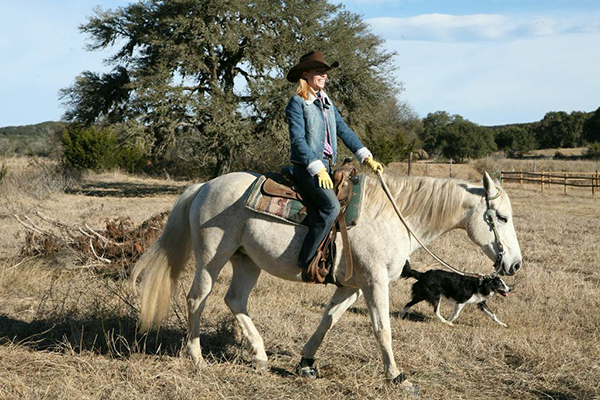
{"points": [[294, 211]]}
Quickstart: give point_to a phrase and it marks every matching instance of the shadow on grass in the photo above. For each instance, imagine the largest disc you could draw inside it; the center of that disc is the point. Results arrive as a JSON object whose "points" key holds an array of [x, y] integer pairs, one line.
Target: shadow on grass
{"points": [[411, 316], [124, 189], [112, 335]]}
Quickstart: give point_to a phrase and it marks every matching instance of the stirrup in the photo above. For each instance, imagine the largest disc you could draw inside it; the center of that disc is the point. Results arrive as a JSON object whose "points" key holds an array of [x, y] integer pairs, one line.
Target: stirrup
{"points": [[329, 278]]}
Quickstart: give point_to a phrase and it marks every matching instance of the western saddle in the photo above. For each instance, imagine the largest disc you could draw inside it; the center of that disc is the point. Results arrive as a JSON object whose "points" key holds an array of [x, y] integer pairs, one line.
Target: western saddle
{"points": [[320, 269]]}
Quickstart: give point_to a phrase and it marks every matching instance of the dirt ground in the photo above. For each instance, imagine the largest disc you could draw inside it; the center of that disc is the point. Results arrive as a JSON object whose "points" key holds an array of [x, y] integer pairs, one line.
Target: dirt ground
{"points": [[68, 332]]}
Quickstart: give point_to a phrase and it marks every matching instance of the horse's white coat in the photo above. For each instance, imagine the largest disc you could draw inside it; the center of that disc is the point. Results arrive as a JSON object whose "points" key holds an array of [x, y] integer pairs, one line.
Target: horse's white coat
{"points": [[222, 230]]}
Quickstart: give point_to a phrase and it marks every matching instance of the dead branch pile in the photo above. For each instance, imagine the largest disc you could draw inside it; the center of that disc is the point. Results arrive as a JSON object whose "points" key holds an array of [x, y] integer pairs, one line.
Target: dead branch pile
{"points": [[110, 251]]}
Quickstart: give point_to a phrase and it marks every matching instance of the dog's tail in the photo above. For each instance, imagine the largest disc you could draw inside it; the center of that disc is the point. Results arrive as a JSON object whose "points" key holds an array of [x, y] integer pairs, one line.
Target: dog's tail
{"points": [[407, 272]]}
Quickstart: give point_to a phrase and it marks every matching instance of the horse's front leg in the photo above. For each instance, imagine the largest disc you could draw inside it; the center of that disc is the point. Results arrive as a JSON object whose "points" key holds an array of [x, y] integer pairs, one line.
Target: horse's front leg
{"points": [[377, 298], [342, 298]]}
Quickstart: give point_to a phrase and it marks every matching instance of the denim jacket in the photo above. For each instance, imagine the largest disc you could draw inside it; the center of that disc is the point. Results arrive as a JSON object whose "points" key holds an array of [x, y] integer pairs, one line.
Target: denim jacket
{"points": [[307, 132]]}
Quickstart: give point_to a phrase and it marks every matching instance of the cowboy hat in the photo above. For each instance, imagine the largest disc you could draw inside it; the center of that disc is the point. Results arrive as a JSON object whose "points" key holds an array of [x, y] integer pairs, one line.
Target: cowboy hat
{"points": [[312, 60]]}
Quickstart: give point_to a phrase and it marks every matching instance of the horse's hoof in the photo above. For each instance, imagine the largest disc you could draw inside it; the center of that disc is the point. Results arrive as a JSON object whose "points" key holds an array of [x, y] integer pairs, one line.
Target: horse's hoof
{"points": [[306, 369], [194, 355], [407, 386], [261, 366]]}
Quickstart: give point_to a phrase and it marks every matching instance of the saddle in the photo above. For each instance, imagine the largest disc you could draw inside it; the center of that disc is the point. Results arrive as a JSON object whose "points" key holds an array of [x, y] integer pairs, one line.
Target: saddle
{"points": [[320, 268]]}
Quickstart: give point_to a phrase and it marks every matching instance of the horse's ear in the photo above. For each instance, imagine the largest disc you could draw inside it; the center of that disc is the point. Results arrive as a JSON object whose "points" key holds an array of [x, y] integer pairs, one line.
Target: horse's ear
{"points": [[488, 184]]}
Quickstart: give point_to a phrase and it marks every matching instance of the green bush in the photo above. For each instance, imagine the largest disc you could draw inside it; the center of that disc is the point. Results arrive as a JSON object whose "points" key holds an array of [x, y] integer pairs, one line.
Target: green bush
{"points": [[593, 151], [99, 149]]}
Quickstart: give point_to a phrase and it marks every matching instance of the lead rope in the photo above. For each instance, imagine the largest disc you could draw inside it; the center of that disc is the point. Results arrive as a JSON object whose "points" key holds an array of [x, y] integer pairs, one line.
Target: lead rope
{"points": [[431, 253]]}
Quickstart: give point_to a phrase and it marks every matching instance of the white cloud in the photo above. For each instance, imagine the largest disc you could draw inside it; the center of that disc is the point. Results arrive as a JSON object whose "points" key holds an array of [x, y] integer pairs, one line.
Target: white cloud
{"points": [[478, 27], [503, 81]]}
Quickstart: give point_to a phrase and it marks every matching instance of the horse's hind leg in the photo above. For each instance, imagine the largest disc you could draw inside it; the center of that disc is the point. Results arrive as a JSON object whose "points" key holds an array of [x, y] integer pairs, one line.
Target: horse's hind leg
{"points": [[245, 275], [343, 298], [207, 270]]}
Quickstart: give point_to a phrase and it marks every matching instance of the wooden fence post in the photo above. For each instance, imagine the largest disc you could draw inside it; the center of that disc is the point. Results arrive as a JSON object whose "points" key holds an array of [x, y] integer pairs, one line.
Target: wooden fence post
{"points": [[565, 182], [521, 179], [450, 168], [542, 180], [409, 162]]}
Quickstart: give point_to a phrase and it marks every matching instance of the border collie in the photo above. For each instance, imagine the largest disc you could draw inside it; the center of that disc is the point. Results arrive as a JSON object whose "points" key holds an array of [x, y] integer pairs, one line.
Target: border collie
{"points": [[459, 289]]}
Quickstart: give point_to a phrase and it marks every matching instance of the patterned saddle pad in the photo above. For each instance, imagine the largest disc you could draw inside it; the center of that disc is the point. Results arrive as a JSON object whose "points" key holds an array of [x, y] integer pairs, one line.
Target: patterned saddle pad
{"points": [[294, 211]]}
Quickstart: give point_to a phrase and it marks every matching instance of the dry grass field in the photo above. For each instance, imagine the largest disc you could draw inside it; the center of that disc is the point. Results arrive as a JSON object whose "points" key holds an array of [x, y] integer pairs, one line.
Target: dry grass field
{"points": [[67, 332]]}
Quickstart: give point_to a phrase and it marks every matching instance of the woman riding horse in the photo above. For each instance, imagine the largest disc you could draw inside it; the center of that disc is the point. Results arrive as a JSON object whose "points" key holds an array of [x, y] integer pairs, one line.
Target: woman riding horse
{"points": [[314, 124]]}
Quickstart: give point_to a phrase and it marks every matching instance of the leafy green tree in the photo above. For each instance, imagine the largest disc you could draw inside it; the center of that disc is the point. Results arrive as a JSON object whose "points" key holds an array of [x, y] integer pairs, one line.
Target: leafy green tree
{"points": [[575, 137], [395, 140], [591, 128], [455, 137], [434, 129], [465, 139], [552, 129], [204, 80], [559, 129], [514, 140]]}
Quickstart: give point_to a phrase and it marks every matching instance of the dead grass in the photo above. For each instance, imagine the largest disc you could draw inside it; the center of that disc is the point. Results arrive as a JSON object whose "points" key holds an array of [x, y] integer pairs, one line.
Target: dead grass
{"points": [[68, 333], [576, 151], [503, 164]]}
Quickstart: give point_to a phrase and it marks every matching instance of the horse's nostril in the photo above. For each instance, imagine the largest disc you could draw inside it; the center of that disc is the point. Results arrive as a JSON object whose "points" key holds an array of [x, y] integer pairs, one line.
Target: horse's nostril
{"points": [[517, 266]]}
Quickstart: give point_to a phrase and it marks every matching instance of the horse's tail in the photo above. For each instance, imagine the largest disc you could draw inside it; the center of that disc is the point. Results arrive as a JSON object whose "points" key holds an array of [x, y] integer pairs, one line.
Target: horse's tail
{"points": [[164, 261], [407, 272]]}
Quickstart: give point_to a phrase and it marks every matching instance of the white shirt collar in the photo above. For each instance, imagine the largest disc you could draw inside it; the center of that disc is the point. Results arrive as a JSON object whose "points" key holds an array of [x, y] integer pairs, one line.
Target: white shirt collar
{"points": [[312, 98]]}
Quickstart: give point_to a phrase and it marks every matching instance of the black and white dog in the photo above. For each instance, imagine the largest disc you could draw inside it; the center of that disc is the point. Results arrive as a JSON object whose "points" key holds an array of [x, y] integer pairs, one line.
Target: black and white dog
{"points": [[461, 290]]}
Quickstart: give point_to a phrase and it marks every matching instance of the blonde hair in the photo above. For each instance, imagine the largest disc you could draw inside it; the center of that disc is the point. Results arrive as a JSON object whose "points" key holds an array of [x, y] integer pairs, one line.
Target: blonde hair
{"points": [[304, 90]]}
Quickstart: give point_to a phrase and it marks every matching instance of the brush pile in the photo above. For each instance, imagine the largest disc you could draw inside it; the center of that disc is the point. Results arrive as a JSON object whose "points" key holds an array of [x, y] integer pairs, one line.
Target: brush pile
{"points": [[111, 251]]}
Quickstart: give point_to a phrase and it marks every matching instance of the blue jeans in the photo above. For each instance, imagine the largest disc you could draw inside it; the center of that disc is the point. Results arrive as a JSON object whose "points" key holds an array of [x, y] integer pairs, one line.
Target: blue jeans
{"points": [[323, 213]]}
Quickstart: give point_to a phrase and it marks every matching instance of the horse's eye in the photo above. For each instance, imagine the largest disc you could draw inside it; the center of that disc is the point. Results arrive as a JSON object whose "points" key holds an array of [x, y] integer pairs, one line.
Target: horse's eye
{"points": [[501, 218]]}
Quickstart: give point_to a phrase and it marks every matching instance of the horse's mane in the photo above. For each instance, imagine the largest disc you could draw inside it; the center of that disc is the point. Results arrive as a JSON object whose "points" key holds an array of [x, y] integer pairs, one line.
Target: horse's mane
{"points": [[436, 202]]}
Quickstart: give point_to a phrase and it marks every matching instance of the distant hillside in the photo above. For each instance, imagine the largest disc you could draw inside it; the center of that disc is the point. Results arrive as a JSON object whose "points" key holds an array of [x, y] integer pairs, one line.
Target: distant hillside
{"points": [[526, 125], [39, 139]]}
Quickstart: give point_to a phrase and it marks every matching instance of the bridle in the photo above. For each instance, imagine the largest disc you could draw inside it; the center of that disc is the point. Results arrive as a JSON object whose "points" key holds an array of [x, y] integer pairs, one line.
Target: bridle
{"points": [[489, 217]]}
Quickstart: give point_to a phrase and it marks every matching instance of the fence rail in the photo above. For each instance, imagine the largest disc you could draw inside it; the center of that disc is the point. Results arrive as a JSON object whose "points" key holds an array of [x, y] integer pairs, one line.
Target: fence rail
{"points": [[565, 179]]}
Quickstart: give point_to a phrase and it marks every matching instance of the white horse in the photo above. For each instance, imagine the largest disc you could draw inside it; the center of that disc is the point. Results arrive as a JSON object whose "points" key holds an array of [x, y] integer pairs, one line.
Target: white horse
{"points": [[211, 219]]}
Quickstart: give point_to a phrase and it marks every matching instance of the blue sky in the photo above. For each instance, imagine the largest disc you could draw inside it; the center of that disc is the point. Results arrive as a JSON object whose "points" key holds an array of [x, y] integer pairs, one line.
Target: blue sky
{"points": [[491, 61]]}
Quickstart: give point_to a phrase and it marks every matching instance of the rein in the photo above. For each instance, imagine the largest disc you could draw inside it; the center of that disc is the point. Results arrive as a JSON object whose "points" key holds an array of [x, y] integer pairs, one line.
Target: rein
{"points": [[488, 216]]}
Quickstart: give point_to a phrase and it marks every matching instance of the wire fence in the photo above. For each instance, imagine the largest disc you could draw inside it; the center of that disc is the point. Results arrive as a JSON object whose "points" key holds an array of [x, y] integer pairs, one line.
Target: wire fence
{"points": [[547, 179]]}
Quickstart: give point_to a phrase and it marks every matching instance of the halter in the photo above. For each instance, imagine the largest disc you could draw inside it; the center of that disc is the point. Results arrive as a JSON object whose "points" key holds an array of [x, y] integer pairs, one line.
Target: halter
{"points": [[489, 218]]}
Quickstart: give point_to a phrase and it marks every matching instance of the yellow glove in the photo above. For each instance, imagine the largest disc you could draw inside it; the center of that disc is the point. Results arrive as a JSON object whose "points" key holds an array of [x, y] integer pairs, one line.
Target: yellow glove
{"points": [[375, 166], [324, 179]]}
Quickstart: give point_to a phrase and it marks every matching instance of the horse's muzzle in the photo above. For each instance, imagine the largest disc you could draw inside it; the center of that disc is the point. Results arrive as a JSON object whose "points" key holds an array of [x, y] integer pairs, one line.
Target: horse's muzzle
{"points": [[513, 268]]}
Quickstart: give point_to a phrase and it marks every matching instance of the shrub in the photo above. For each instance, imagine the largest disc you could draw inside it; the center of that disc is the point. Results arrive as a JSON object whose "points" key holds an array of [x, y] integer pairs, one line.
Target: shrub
{"points": [[593, 151], [89, 147]]}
